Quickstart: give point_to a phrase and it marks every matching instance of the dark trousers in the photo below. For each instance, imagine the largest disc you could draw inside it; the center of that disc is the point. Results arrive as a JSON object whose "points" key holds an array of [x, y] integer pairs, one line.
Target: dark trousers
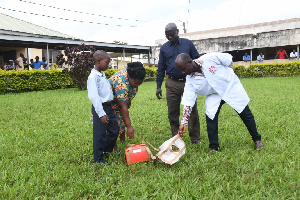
{"points": [[245, 115], [174, 90], [104, 135]]}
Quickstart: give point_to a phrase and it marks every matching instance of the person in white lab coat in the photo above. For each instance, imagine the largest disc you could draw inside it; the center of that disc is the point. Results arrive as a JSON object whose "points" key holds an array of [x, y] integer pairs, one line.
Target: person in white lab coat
{"points": [[212, 75]]}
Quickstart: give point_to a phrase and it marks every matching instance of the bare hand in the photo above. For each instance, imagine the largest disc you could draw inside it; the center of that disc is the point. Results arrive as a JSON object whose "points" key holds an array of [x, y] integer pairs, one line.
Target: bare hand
{"points": [[104, 119], [130, 133], [181, 130], [158, 93]]}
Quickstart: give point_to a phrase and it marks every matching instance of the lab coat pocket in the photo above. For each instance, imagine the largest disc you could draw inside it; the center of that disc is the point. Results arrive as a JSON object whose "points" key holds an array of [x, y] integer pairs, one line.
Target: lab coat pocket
{"points": [[203, 87]]}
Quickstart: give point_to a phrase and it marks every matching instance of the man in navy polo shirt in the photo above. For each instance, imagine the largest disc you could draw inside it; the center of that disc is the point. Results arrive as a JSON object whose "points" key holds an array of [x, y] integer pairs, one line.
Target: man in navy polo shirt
{"points": [[176, 80]]}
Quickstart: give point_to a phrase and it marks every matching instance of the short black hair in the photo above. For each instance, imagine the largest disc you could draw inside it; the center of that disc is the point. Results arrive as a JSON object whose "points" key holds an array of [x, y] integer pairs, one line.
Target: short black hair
{"points": [[99, 55], [184, 57], [136, 70]]}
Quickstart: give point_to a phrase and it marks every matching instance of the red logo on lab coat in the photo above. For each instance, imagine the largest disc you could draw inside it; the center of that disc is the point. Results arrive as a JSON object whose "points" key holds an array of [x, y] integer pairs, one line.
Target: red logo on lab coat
{"points": [[212, 69]]}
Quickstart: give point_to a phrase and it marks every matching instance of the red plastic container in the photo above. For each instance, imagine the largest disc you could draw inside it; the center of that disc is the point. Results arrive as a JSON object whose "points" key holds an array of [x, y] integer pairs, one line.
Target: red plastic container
{"points": [[137, 153]]}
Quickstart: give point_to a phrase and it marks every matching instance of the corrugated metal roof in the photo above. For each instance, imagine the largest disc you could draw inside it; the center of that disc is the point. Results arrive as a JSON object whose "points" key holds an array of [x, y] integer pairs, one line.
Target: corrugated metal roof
{"points": [[18, 33], [15, 25]]}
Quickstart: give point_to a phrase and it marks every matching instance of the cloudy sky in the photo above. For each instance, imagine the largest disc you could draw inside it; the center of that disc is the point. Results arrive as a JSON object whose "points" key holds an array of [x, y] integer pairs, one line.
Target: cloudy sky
{"points": [[139, 22]]}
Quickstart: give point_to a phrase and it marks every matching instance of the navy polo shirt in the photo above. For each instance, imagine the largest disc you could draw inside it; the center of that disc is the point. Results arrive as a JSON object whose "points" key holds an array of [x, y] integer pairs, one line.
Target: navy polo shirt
{"points": [[167, 56]]}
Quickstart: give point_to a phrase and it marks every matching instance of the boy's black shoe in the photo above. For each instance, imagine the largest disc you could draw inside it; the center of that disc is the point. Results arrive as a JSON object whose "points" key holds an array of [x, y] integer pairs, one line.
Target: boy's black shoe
{"points": [[102, 163], [259, 145], [106, 154]]}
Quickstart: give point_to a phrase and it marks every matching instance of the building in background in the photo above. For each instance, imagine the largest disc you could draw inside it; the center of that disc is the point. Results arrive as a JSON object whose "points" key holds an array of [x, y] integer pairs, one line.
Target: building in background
{"points": [[266, 38], [18, 36]]}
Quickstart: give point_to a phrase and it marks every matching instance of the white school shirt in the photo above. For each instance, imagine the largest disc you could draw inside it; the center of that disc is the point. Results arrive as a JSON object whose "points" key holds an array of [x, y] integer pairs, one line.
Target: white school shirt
{"points": [[99, 91], [217, 69]]}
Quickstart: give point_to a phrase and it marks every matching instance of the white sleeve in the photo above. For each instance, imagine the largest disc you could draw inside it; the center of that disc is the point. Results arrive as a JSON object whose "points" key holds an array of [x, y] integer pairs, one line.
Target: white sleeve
{"points": [[225, 59], [94, 97], [189, 95]]}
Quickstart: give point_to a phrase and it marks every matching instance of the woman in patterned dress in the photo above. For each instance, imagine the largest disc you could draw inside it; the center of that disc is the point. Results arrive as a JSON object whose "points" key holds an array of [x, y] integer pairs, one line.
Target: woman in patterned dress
{"points": [[125, 85]]}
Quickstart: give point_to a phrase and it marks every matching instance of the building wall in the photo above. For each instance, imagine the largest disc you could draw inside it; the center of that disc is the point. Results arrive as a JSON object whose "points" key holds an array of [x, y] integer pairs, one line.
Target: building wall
{"points": [[118, 63], [36, 52], [20, 50], [243, 42], [264, 37]]}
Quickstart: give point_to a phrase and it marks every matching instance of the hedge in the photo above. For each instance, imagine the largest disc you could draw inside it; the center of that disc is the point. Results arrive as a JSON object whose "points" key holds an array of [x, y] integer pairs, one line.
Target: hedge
{"points": [[34, 80], [268, 69], [23, 81]]}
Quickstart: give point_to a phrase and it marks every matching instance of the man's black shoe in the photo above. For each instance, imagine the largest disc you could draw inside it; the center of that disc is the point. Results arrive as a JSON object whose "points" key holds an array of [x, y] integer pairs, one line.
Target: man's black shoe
{"points": [[213, 150], [196, 142]]}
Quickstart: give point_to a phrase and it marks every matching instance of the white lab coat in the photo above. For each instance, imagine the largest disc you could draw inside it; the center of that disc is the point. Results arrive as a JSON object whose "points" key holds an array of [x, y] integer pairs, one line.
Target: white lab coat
{"points": [[217, 69]]}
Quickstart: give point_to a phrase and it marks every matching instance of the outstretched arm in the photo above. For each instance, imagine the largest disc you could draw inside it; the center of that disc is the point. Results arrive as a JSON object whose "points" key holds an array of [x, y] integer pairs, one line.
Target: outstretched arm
{"points": [[184, 121], [125, 116]]}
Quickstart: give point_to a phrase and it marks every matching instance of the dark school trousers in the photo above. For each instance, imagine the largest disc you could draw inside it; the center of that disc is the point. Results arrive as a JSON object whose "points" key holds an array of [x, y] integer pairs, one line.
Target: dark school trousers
{"points": [[174, 92], [104, 135], [212, 126]]}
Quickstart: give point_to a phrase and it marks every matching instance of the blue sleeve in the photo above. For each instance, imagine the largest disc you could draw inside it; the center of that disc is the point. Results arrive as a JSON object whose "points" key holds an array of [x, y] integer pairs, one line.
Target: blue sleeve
{"points": [[161, 70], [193, 51]]}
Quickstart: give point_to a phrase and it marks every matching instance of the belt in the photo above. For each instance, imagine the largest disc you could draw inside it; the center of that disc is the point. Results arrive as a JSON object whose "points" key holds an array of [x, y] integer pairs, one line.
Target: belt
{"points": [[177, 79]]}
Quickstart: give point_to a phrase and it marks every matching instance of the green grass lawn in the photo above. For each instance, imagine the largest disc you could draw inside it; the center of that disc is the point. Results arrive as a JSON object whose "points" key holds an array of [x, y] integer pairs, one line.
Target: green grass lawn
{"points": [[46, 149]]}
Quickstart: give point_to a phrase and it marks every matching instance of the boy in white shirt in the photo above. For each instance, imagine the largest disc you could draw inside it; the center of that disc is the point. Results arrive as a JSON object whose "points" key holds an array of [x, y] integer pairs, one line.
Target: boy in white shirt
{"points": [[105, 125]]}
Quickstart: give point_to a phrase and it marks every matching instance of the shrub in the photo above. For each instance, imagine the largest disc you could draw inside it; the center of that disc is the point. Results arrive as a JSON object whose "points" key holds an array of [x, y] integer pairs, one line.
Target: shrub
{"points": [[239, 70], [268, 69], [81, 60], [110, 72], [23, 81]]}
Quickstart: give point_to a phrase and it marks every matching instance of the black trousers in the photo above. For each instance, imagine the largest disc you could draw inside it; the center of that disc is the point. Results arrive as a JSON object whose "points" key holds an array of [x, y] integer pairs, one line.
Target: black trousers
{"points": [[104, 135], [245, 115], [174, 92]]}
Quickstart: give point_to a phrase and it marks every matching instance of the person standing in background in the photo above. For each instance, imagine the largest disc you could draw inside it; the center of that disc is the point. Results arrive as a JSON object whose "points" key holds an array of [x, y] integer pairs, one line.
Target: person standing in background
{"points": [[45, 63], [176, 80], [293, 54], [19, 62], [260, 57], [37, 64], [281, 53], [246, 58]]}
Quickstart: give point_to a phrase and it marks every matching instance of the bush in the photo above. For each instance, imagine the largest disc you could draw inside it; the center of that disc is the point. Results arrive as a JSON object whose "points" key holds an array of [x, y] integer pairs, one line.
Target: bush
{"points": [[268, 69], [81, 60], [110, 72], [23, 81]]}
